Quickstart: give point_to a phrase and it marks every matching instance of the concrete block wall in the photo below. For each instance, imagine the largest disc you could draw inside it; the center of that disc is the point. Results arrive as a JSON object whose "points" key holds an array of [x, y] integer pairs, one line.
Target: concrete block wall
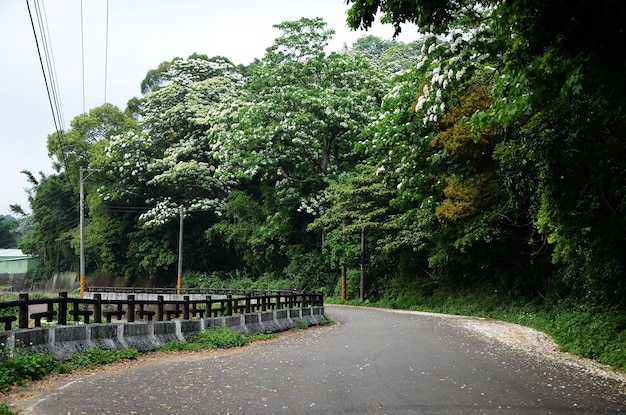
{"points": [[63, 341]]}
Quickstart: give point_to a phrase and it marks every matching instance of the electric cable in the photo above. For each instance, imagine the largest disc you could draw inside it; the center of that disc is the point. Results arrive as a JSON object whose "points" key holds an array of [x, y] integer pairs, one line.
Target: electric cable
{"points": [[43, 70], [44, 50], [47, 48]]}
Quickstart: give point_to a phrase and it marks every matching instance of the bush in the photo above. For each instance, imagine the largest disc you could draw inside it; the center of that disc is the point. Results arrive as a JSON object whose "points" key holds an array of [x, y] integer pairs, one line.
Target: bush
{"points": [[5, 410], [214, 338], [96, 356], [219, 338], [239, 281], [24, 367]]}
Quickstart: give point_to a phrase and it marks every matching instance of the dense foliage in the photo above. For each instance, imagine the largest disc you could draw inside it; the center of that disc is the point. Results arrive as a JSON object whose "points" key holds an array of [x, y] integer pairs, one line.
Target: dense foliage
{"points": [[7, 233], [488, 156]]}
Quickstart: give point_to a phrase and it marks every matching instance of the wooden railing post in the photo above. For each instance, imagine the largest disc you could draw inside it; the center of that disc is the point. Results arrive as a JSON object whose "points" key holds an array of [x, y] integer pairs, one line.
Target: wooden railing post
{"points": [[160, 308], [229, 305], [186, 307], [264, 302], [74, 312], [97, 308], [209, 306], [62, 317], [23, 318], [50, 311], [130, 313], [248, 305]]}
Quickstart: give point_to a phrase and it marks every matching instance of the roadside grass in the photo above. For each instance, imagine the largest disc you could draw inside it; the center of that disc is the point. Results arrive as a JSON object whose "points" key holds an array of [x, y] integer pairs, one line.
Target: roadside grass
{"points": [[214, 338], [584, 329], [95, 356], [21, 368]]}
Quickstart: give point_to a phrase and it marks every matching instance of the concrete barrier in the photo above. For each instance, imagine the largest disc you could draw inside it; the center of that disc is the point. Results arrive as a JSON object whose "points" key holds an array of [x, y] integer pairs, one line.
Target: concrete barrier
{"points": [[63, 341]]}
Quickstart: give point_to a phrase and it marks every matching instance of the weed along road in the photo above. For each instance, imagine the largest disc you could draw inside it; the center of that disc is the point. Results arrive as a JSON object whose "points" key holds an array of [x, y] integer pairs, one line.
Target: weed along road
{"points": [[371, 362]]}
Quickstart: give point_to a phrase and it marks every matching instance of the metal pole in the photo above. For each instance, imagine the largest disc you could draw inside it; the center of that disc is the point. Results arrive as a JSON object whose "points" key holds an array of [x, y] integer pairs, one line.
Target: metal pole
{"points": [[179, 283], [343, 266], [362, 282], [82, 234]]}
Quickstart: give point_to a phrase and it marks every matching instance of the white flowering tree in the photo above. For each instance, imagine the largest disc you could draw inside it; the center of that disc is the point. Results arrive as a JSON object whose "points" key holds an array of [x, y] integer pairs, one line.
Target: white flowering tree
{"points": [[297, 130], [304, 113], [389, 56], [170, 163]]}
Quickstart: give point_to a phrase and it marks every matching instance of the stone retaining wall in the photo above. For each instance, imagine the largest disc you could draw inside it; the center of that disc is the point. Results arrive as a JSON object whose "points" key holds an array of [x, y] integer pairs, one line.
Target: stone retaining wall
{"points": [[63, 341]]}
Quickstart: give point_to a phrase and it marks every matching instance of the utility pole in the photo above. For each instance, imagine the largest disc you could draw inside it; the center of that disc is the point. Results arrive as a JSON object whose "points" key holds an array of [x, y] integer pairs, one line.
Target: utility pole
{"points": [[82, 170], [179, 284], [343, 266], [362, 285]]}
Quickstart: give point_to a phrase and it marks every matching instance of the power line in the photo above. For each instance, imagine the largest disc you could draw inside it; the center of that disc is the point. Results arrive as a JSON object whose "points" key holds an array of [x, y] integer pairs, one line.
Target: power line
{"points": [[50, 78], [54, 118], [44, 30]]}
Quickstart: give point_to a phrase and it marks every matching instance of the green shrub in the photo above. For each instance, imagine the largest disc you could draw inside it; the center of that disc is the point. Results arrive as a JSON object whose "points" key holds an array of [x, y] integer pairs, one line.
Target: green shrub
{"points": [[214, 338], [302, 324], [219, 338], [96, 356], [24, 367], [260, 337], [9, 311], [5, 410]]}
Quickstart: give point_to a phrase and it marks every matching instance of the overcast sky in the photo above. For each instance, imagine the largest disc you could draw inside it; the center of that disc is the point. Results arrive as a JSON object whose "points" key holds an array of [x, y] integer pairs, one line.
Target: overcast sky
{"points": [[142, 34]]}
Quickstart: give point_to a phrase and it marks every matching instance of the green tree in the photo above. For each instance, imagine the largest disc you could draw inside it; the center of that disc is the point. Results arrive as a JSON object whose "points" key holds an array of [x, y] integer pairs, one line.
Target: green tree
{"points": [[297, 130], [544, 62], [7, 233], [54, 199], [357, 220], [72, 149], [54, 203], [170, 164], [389, 56]]}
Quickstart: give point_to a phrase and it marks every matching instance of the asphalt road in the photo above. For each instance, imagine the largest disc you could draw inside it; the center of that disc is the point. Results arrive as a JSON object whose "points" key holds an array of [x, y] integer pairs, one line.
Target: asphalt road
{"points": [[371, 362]]}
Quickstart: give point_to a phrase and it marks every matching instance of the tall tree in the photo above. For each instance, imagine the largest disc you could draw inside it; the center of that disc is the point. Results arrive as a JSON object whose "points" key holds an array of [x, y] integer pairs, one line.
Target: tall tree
{"points": [[170, 163], [358, 218], [7, 229], [298, 129], [54, 199], [54, 203]]}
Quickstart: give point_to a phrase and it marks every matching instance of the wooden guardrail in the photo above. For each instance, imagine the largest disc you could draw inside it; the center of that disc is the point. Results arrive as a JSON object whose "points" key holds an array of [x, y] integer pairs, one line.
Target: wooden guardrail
{"points": [[64, 309]]}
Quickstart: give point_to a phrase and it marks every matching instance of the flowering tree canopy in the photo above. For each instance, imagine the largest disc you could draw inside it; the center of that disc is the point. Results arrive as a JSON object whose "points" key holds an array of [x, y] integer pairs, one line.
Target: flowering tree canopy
{"points": [[303, 115], [171, 161]]}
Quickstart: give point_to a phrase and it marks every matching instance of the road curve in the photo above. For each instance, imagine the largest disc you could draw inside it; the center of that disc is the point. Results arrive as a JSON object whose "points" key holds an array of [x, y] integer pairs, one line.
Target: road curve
{"points": [[371, 362]]}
